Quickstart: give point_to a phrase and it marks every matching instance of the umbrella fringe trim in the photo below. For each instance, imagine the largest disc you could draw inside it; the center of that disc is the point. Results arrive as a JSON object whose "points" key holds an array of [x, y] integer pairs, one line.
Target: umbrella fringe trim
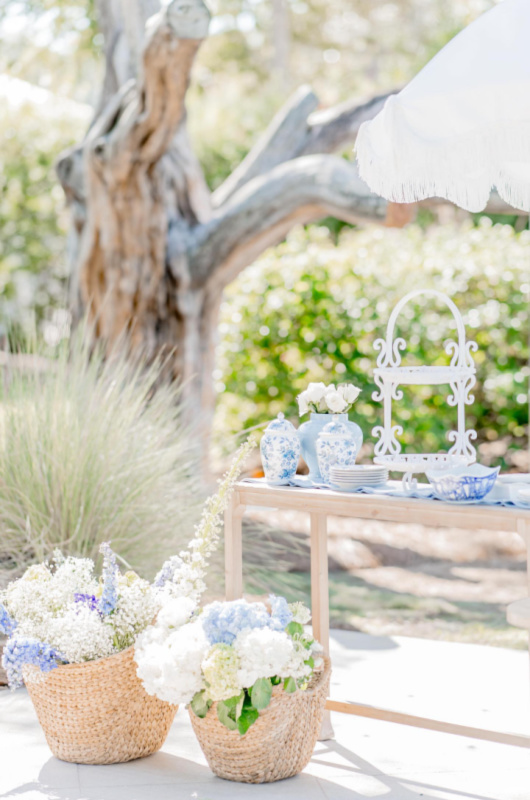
{"points": [[463, 170]]}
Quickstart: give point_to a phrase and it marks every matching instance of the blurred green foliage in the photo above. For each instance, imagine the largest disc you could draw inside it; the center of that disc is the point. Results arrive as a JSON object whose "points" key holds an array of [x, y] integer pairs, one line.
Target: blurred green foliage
{"points": [[310, 310], [32, 214]]}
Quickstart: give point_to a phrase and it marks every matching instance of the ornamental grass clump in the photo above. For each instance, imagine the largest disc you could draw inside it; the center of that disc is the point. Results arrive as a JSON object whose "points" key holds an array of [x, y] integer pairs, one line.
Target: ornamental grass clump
{"points": [[232, 654], [94, 448]]}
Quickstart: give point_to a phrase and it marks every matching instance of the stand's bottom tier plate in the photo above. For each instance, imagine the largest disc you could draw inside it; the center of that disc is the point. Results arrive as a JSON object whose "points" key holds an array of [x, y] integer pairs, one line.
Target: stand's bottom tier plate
{"points": [[421, 462]]}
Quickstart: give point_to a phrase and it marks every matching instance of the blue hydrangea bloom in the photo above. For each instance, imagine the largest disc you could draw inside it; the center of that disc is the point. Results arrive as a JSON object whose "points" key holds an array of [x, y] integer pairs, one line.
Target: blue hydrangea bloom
{"points": [[109, 597], [280, 612], [222, 621], [7, 623], [19, 651], [89, 600]]}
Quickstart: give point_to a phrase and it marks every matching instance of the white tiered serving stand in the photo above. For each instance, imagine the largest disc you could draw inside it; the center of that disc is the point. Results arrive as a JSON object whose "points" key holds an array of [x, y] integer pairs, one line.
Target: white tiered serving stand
{"points": [[389, 375]]}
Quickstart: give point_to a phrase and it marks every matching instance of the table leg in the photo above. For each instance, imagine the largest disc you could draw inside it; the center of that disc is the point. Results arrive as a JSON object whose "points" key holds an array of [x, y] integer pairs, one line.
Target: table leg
{"points": [[524, 532], [319, 580], [234, 548], [320, 598]]}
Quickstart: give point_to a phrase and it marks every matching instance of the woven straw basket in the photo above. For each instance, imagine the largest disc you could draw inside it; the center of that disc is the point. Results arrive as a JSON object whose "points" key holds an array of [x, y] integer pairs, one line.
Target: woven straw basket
{"points": [[98, 712], [278, 745]]}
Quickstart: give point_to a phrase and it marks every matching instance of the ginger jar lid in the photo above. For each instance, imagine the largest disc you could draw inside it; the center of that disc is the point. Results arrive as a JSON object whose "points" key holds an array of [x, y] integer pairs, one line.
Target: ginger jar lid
{"points": [[335, 428], [280, 425]]}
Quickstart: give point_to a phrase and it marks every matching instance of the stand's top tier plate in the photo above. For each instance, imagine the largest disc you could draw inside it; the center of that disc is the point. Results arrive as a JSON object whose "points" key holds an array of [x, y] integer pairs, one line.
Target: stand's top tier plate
{"points": [[423, 375]]}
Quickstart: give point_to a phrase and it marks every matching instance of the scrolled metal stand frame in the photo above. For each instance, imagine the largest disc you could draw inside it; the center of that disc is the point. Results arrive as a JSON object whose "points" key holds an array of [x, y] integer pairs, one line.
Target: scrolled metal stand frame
{"points": [[390, 374]]}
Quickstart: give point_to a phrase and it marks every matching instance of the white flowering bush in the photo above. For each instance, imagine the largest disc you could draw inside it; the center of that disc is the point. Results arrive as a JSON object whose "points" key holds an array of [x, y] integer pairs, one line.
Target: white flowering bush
{"points": [[330, 399], [62, 613], [230, 653]]}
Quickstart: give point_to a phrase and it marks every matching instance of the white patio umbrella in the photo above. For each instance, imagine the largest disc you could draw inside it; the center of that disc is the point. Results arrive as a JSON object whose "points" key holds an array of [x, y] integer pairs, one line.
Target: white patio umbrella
{"points": [[462, 125]]}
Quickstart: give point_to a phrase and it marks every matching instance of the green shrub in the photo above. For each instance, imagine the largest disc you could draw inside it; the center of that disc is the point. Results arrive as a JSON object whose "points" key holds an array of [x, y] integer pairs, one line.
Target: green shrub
{"points": [[311, 310]]}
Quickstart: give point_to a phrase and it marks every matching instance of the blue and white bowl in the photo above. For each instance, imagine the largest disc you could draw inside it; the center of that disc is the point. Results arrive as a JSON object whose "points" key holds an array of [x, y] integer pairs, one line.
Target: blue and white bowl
{"points": [[463, 484]]}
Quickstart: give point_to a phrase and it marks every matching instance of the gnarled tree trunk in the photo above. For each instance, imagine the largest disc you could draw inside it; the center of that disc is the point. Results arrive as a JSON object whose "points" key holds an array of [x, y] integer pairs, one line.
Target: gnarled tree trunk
{"points": [[151, 249]]}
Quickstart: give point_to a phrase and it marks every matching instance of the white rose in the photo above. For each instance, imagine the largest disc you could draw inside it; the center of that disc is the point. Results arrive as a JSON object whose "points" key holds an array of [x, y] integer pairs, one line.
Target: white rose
{"points": [[336, 402], [303, 406], [315, 392], [330, 389], [349, 392]]}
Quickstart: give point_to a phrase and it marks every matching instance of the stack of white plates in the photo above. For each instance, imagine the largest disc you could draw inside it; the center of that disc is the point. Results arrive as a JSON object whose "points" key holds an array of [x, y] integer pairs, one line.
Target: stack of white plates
{"points": [[358, 476]]}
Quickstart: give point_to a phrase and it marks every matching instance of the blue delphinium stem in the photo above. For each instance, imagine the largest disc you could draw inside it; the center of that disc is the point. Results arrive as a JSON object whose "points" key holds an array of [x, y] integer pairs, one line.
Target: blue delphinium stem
{"points": [[7, 623], [21, 651], [109, 597]]}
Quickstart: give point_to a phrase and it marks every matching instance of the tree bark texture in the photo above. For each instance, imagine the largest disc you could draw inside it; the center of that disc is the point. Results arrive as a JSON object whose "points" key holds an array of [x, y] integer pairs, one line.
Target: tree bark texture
{"points": [[151, 249]]}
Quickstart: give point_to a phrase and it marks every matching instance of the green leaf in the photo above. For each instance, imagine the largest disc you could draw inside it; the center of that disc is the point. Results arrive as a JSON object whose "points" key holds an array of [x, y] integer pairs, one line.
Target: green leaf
{"points": [[276, 681], [239, 706], [224, 715], [289, 685], [199, 704], [233, 701], [294, 628], [310, 662], [248, 717], [261, 693]]}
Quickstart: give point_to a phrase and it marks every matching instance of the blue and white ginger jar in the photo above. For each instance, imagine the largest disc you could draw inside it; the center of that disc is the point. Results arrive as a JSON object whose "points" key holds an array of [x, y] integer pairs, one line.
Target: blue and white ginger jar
{"points": [[280, 451], [308, 434], [337, 446]]}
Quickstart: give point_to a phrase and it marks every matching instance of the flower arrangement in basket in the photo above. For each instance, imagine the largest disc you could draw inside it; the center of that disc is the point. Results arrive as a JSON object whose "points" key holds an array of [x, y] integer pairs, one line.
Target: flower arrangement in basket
{"points": [[254, 679], [72, 635]]}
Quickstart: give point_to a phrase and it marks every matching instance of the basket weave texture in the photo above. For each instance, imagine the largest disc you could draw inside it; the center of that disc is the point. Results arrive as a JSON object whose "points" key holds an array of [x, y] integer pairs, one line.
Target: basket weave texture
{"points": [[278, 745], [98, 712]]}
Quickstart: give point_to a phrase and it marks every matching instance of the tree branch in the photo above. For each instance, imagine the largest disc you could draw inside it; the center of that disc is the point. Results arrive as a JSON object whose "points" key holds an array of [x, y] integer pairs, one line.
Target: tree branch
{"points": [[334, 129], [149, 116], [295, 132], [262, 212], [278, 143]]}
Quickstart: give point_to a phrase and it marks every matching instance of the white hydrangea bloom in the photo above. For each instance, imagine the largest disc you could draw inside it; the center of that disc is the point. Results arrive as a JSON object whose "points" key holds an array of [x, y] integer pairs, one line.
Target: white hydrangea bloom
{"points": [[175, 613], [263, 653], [171, 668]]}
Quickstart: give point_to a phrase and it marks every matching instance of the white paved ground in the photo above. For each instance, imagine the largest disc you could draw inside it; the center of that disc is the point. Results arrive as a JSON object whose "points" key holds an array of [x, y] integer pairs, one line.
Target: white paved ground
{"points": [[468, 684]]}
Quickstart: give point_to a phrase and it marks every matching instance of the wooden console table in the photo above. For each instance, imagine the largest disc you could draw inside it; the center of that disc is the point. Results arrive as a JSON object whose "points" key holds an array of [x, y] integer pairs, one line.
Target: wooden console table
{"points": [[319, 504]]}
